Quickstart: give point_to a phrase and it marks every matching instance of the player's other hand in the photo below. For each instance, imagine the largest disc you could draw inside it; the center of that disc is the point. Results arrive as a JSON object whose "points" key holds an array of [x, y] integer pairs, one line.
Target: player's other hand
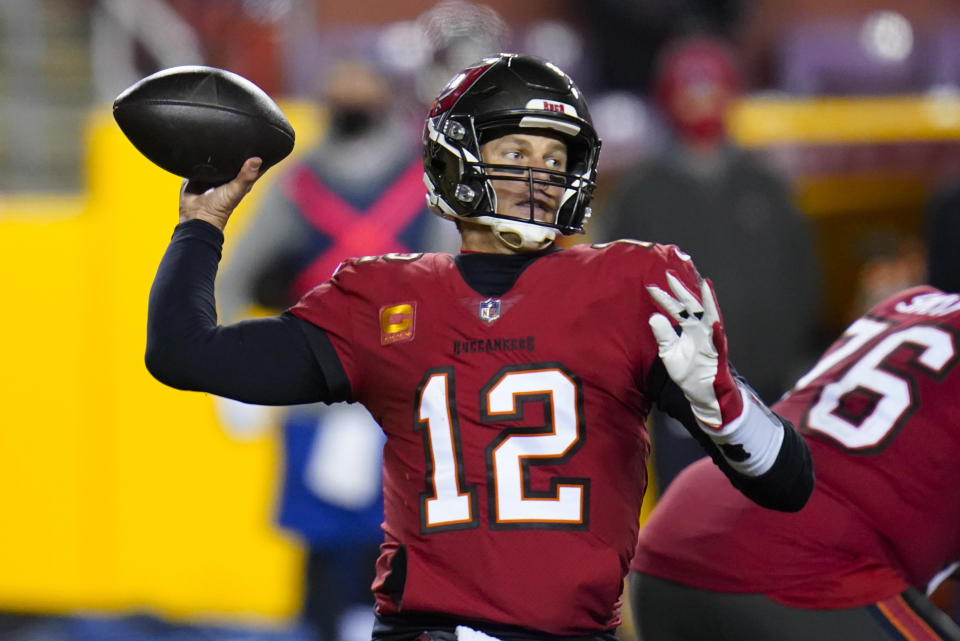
{"points": [[696, 359], [215, 204]]}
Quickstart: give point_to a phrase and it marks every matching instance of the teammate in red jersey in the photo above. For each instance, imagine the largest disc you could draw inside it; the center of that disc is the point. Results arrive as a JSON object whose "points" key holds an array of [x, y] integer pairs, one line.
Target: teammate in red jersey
{"points": [[512, 380], [880, 412]]}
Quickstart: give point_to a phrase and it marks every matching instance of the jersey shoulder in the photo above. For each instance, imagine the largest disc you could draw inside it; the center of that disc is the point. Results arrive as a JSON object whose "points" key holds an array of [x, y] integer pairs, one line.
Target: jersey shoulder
{"points": [[629, 248], [922, 301], [625, 257], [372, 278], [380, 266]]}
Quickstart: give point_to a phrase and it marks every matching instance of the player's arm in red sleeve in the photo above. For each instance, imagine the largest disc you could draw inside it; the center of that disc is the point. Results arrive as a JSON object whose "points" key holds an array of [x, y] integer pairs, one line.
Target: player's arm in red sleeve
{"points": [[761, 454], [280, 360]]}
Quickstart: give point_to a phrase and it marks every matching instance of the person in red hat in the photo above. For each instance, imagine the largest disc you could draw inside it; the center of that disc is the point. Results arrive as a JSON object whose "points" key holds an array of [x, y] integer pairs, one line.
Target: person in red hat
{"points": [[707, 195]]}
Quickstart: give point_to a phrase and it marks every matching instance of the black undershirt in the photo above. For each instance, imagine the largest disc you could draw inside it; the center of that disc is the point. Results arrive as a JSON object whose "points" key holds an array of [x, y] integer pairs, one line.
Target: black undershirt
{"points": [[495, 274], [285, 360]]}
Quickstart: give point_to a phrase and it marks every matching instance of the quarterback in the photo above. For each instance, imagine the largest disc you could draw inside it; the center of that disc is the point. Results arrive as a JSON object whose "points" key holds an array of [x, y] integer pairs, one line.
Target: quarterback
{"points": [[512, 380]]}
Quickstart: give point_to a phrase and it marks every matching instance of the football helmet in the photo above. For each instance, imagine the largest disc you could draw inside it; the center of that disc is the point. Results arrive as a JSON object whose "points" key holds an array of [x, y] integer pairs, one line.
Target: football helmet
{"points": [[504, 94]]}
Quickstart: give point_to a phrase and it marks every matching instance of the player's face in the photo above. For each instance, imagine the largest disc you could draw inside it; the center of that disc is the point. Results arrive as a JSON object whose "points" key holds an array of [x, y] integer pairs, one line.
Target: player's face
{"points": [[515, 198]]}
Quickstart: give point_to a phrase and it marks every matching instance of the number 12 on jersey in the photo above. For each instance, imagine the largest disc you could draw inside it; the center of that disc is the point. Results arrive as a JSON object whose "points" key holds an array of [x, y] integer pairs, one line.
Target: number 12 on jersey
{"points": [[451, 503]]}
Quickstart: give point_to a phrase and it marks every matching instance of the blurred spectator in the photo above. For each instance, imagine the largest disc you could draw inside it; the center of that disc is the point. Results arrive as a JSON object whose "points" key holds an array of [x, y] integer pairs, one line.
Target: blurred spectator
{"points": [[359, 192], [134, 38], [220, 25], [893, 262], [625, 36], [130, 39], [457, 33], [328, 207], [420, 54], [735, 218]]}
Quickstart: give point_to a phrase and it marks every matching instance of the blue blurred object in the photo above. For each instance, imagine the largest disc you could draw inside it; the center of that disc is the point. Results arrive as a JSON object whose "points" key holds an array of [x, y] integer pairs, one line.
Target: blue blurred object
{"points": [[139, 627], [320, 520]]}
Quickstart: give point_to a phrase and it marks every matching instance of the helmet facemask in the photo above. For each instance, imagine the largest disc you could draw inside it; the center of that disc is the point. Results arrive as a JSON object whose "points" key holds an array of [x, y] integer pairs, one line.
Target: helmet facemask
{"points": [[537, 229], [461, 186]]}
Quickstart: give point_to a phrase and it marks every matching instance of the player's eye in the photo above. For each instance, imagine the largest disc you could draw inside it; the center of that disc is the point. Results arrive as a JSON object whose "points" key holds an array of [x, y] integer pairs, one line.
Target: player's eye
{"points": [[508, 158], [557, 161]]}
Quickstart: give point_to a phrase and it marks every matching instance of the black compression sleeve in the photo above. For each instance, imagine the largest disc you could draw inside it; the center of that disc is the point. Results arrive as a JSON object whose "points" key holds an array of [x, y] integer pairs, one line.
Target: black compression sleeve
{"points": [[270, 361], [788, 483]]}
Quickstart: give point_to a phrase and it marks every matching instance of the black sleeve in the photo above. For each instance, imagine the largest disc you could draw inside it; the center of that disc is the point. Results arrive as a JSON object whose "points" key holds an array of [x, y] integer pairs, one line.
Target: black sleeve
{"points": [[786, 486], [281, 360]]}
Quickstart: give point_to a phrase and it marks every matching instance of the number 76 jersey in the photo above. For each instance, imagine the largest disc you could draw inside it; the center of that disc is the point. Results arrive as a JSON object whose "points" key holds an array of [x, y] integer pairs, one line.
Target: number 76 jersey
{"points": [[880, 412], [515, 460]]}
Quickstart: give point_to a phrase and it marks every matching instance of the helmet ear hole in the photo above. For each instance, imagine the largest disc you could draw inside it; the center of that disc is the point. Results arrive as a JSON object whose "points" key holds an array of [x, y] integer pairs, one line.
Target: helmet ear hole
{"points": [[435, 166], [464, 193]]}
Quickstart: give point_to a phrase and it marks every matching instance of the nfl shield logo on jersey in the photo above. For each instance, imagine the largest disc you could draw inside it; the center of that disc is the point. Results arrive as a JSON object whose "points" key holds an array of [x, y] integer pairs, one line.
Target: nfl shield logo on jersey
{"points": [[490, 309]]}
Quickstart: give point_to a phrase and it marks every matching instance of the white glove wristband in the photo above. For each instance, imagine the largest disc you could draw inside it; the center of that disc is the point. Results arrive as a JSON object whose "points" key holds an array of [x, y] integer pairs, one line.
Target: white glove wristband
{"points": [[750, 442]]}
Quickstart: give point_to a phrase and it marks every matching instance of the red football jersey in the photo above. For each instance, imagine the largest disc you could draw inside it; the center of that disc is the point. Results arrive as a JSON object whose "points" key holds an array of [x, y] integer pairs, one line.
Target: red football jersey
{"points": [[515, 459], [881, 414]]}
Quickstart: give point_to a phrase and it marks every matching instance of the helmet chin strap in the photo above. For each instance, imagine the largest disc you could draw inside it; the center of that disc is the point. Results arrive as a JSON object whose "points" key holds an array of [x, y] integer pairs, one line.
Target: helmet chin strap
{"points": [[517, 235], [520, 236]]}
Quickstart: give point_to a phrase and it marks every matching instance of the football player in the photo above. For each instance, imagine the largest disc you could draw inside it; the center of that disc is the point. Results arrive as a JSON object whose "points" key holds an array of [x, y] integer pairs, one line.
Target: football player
{"points": [[880, 412], [511, 380]]}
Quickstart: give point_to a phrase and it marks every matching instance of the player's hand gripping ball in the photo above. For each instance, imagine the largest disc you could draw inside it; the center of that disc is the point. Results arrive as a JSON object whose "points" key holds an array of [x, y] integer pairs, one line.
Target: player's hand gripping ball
{"points": [[201, 123]]}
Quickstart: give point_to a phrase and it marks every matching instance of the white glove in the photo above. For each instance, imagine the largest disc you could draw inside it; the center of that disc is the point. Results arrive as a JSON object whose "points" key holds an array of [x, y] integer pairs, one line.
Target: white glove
{"points": [[696, 360]]}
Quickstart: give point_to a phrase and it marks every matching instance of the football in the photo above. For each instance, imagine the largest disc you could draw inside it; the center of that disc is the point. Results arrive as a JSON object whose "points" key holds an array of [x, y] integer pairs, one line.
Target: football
{"points": [[202, 122]]}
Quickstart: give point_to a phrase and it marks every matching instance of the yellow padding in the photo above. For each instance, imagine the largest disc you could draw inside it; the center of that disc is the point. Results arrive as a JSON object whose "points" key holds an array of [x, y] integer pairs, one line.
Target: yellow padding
{"points": [[121, 493], [769, 121]]}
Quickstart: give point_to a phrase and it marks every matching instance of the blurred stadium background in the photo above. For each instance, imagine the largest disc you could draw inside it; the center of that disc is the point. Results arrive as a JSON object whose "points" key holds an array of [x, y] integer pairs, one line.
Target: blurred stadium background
{"points": [[126, 512]]}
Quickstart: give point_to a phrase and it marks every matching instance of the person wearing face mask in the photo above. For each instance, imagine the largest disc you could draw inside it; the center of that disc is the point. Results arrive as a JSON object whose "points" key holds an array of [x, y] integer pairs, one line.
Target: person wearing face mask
{"points": [[703, 193], [330, 205], [358, 192]]}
